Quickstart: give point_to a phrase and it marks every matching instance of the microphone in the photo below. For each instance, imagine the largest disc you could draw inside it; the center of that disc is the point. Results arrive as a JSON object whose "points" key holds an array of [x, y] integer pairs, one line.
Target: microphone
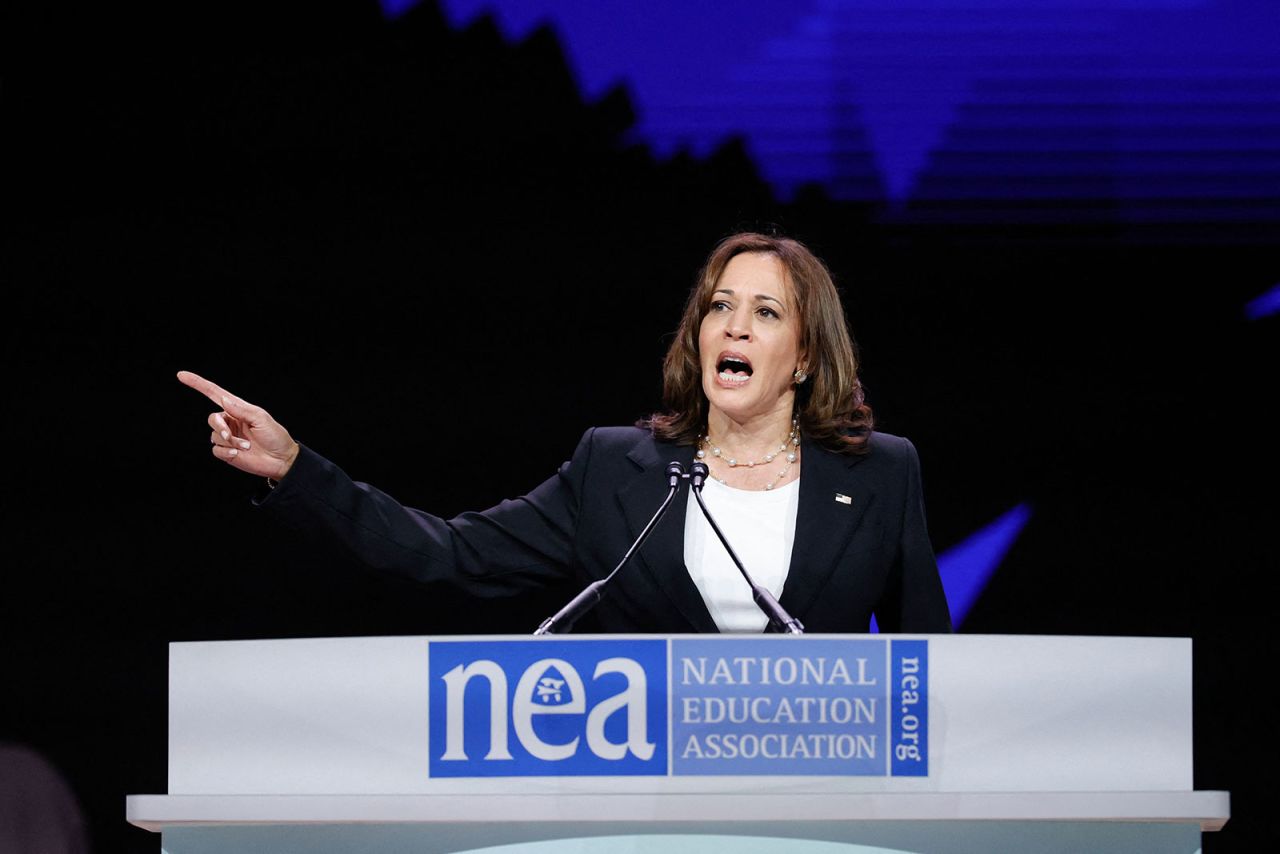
{"points": [[563, 620], [778, 616]]}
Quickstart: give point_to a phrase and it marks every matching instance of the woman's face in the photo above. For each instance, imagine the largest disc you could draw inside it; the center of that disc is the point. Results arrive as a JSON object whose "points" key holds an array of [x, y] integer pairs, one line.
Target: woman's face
{"points": [[749, 341]]}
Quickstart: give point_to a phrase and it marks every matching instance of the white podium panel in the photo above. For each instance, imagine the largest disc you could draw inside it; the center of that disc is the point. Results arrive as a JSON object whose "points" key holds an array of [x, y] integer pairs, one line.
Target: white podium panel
{"points": [[814, 744]]}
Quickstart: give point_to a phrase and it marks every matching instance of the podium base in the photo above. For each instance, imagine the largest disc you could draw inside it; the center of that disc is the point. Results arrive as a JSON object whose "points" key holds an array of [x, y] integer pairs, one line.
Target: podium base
{"points": [[945, 823]]}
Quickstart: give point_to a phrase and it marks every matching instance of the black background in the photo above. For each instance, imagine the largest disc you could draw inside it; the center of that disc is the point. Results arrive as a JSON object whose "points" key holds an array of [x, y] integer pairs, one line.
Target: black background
{"points": [[436, 265]]}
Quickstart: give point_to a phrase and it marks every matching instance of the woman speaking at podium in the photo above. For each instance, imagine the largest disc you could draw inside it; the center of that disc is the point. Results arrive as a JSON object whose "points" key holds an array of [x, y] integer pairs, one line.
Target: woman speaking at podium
{"points": [[761, 385]]}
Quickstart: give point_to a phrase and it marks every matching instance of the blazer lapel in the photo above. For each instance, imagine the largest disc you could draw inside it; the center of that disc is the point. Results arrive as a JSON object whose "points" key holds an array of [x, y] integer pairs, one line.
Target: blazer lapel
{"points": [[824, 523], [662, 555]]}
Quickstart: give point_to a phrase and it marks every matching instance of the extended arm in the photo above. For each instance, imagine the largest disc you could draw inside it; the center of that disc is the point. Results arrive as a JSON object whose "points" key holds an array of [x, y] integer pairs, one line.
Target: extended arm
{"points": [[519, 544]]}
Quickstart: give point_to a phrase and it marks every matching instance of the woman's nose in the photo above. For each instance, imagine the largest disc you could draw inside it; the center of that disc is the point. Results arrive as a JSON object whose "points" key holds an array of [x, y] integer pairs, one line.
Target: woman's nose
{"points": [[738, 327]]}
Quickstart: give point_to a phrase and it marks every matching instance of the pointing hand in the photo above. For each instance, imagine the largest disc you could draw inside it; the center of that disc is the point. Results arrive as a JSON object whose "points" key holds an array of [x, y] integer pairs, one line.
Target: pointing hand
{"points": [[244, 435]]}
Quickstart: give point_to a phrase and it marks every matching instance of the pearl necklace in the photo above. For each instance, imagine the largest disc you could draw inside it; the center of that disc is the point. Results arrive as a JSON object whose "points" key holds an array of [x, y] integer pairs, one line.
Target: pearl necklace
{"points": [[792, 441]]}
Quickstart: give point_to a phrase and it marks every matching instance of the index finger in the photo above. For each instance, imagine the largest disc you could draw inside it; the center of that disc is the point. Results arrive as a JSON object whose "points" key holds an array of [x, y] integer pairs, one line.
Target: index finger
{"points": [[209, 389]]}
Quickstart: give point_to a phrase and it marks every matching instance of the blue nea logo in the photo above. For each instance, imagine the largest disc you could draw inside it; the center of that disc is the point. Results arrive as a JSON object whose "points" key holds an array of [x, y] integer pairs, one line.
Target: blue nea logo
{"points": [[548, 708]]}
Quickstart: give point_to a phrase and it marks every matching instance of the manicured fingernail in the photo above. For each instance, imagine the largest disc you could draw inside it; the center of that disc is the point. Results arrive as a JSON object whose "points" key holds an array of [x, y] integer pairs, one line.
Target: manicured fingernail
{"points": [[244, 444], [226, 434], [232, 452]]}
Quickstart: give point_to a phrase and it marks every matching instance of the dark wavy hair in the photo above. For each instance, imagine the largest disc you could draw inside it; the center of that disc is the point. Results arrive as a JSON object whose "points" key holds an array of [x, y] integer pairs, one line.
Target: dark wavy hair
{"points": [[830, 405]]}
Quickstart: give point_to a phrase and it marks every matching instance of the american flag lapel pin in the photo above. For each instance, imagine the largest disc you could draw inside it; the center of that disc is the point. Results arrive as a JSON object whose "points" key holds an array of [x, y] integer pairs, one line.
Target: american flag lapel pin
{"points": [[843, 499]]}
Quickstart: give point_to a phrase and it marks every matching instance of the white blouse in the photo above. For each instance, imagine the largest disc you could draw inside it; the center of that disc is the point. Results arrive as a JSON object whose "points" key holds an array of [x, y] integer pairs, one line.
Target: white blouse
{"points": [[761, 527]]}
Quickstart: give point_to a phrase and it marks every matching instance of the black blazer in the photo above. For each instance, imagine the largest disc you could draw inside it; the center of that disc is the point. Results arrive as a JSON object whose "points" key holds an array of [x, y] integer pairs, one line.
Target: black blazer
{"points": [[870, 554]]}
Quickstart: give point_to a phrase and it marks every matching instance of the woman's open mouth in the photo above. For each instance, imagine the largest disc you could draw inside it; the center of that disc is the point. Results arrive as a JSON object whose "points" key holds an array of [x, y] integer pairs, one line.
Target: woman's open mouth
{"points": [[733, 369]]}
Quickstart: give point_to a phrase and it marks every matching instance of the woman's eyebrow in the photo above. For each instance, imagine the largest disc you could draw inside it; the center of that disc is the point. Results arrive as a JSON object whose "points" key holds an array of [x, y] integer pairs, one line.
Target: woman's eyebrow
{"points": [[758, 296]]}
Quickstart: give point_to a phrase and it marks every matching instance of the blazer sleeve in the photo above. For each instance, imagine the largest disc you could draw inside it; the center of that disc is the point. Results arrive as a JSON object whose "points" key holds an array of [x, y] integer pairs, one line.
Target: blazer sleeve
{"points": [[520, 544], [914, 600]]}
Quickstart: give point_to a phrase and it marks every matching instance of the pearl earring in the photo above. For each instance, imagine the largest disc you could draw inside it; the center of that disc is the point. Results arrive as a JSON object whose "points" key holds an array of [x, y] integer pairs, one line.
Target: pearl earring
{"points": [[800, 376]]}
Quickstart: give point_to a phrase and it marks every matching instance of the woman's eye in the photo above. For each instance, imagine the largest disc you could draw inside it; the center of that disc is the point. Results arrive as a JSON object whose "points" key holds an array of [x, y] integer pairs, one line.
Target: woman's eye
{"points": [[768, 312], [719, 305]]}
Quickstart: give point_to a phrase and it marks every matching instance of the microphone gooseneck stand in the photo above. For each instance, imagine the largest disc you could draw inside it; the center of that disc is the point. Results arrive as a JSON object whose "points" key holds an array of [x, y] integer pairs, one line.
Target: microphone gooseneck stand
{"points": [[563, 620], [779, 619]]}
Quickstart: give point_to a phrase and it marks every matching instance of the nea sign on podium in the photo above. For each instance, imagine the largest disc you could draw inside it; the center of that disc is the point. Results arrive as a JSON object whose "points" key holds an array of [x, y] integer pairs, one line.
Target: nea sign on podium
{"points": [[679, 707]]}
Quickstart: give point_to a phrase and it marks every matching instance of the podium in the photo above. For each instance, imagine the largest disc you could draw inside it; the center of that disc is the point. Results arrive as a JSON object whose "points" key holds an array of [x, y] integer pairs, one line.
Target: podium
{"points": [[816, 744]]}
